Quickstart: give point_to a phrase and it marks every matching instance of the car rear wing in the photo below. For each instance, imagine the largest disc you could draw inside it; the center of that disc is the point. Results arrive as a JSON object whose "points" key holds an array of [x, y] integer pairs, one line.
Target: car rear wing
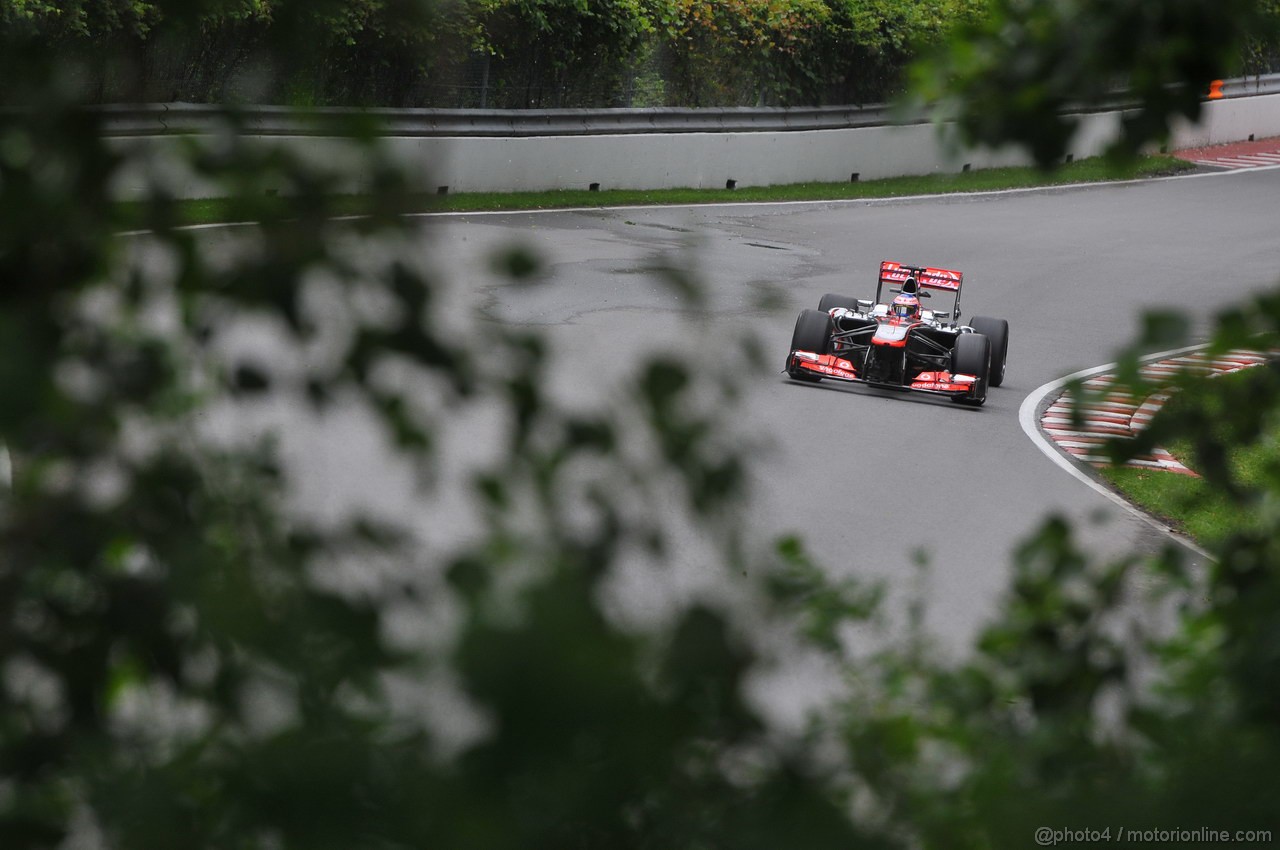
{"points": [[911, 279]]}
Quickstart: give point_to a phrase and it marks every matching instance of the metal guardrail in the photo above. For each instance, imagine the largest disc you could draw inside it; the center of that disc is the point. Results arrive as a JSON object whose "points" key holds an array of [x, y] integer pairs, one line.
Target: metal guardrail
{"points": [[204, 119], [199, 119], [1251, 86]]}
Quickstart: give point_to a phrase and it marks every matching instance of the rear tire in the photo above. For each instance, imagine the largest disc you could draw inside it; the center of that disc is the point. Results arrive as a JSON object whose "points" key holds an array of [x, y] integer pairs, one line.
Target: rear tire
{"points": [[812, 333], [996, 330], [972, 356], [832, 300]]}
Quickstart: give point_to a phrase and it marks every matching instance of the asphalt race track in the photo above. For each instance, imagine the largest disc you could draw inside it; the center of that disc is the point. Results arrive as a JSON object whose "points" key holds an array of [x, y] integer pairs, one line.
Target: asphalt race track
{"points": [[878, 481], [875, 481]]}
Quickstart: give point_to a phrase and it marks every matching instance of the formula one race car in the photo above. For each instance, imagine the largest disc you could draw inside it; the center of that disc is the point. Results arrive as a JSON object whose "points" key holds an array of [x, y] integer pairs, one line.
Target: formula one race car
{"points": [[898, 344]]}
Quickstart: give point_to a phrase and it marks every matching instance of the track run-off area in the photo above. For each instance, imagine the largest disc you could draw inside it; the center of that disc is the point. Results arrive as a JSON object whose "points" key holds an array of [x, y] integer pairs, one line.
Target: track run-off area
{"points": [[875, 482]]}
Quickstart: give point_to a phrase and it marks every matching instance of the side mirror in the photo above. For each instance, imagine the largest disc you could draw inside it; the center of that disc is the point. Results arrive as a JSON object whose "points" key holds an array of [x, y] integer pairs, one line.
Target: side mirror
{"points": [[938, 314], [863, 306]]}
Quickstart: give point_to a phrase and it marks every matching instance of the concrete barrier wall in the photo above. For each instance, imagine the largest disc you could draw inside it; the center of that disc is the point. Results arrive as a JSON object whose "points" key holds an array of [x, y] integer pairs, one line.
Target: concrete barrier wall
{"points": [[659, 160], [1231, 120]]}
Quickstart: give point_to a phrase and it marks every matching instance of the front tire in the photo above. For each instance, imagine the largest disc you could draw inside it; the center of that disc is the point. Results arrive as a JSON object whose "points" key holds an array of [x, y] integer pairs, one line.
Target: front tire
{"points": [[831, 300], [996, 330], [972, 356], [812, 333]]}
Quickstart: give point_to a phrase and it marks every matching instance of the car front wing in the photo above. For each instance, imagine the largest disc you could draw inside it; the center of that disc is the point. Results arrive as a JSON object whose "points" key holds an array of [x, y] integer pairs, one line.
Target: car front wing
{"points": [[837, 368]]}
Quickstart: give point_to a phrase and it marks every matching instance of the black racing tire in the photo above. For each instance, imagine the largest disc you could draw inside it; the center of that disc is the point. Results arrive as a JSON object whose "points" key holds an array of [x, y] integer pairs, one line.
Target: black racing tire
{"points": [[832, 300], [812, 333], [972, 356], [996, 330]]}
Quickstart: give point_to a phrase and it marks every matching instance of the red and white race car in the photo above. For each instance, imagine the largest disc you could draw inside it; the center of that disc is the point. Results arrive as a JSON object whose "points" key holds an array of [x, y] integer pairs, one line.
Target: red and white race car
{"points": [[900, 345]]}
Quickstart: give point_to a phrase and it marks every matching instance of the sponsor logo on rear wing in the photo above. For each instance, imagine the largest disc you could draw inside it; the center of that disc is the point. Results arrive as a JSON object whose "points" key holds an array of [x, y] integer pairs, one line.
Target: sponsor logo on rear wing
{"points": [[930, 278]]}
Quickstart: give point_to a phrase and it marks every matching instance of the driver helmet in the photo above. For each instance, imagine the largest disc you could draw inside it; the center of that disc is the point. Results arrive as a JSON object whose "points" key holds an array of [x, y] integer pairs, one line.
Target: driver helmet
{"points": [[905, 307]]}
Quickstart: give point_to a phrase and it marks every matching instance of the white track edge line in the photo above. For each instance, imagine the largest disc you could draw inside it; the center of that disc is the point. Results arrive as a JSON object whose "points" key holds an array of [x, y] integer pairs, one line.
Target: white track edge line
{"points": [[1027, 416]]}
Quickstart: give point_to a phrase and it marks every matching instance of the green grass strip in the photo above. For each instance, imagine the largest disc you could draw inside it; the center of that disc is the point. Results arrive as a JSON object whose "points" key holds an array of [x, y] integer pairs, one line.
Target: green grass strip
{"points": [[1091, 170], [1183, 503]]}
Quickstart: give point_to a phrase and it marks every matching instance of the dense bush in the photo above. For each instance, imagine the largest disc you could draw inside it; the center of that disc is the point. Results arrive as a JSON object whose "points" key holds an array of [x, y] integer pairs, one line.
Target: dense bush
{"points": [[519, 53], [501, 53]]}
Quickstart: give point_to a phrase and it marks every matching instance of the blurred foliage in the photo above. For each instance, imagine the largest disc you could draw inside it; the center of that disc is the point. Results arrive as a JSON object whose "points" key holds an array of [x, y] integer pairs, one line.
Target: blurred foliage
{"points": [[1236, 462], [190, 656], [1009, 77]]}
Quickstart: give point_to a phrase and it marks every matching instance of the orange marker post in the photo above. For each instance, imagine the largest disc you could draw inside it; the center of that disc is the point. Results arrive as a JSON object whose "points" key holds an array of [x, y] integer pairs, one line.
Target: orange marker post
{"points": [[1215, 90]]}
